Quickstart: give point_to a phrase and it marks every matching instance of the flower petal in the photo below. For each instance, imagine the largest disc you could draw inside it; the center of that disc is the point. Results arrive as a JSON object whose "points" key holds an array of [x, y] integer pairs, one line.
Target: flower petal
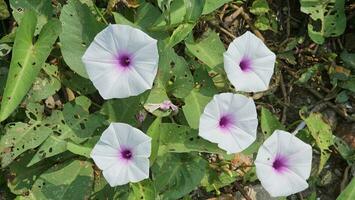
{"points": [[117, 174], [139, 169]]}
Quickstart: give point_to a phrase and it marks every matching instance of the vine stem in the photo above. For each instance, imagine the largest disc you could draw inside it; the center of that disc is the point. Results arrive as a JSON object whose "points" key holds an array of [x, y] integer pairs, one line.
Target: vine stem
{"points": [[100, 14]]}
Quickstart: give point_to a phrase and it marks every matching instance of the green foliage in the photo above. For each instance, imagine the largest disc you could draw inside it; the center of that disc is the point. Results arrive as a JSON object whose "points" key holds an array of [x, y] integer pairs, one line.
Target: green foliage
{"points": [[212, 57], [212, 5], [322, 133], [27, 60], [144, 190], [79, 29], [349, 192], [195, 103], [67, 181], [269, 123], [4, 13], [175, 175], [266, 19], [327, 18]]}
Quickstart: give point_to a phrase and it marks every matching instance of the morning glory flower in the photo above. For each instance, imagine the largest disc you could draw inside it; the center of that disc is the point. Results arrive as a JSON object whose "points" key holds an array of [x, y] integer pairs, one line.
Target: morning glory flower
{"points": [[230, 120], [122, 61], [122, 153], [249, 64], [283, 164]]}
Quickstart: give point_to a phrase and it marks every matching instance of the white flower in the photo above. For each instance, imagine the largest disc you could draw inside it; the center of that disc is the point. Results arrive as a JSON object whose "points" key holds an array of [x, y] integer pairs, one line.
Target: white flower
{"points": [[249, 64], [122, 61], [229, 120], [283, 164], [122, 153]]}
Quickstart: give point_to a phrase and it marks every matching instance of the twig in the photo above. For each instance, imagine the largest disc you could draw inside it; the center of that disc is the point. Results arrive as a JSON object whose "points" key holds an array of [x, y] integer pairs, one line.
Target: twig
{"points": [[345, 178], [230, 19], [248, 20], [100, 14], [242, 191]]}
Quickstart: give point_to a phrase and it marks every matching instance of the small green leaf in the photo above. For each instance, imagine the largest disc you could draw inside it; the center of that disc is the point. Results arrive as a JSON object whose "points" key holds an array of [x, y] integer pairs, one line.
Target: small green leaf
{"points": [[27, 60], [175, 175], [144, 190], [269, 123], [67, 181], [203, 51], [79, 29], [259, 7], [349, 192], [212, 5], [79, 149], [348, 59], [194, 9], [322, 133], [154, 133], [4, 12], [195, 103], [179, 34]]}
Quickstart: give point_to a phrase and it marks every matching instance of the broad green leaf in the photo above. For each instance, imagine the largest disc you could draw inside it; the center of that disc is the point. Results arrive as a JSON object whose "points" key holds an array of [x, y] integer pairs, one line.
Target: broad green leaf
{"points": [[23, 177], [202, 79], [327, 18], [20, 137], [73, 124], [79, 29], [269, 123], [174, 73], [214, 180], [175, 175], [345, 150], [322, 133], [27, 60], [203, 51], [179, 139], [179, 34], [349, 192], [4, 12], [348, 59], [67, 181], [79, 150], [124, 110], [120, 19], [157, 96], [194, 9], [102, 190], [195, 103], [154, 133], [212, 5], [173, 15], [43, 10], [147, 15], [45, 85], [144, 190]]}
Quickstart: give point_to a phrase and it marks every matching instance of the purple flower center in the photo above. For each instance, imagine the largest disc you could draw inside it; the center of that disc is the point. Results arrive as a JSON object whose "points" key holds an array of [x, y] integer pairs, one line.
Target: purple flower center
{"points": [[226, 121], [245, 64], [124, 60], [280, 163], [126, 154]]}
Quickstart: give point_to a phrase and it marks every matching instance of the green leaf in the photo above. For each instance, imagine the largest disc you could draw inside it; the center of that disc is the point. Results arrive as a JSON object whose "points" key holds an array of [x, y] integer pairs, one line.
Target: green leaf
{"points": [[79, 29], [68, 181], [156, 96], [154, 133], [194, 9], [203, 51], [322, 133], [212, 5], [327, 18], [4, 12], [147, 15], [45, 85], [180, 139], [124, 110], [175, 175], [195, 103], [79, 150], [269, 123], [349, 192], [259, 7], [310, 72], [179, 34], [174, 73], [3, 76], [144, 190], [27, 60], [73, 124], [348, 59], [43, 10], [345, 150], [120, 19]]}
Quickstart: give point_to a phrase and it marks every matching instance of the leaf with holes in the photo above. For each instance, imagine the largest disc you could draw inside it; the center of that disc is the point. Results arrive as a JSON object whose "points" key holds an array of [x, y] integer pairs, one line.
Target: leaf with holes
{"points": [[27, 60], [327, 18], [180, 139], [322, 133], [72, 180], [79, 29], [175, 175], [43, 10], [144, 190], [174, 72], [195, 103]]}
